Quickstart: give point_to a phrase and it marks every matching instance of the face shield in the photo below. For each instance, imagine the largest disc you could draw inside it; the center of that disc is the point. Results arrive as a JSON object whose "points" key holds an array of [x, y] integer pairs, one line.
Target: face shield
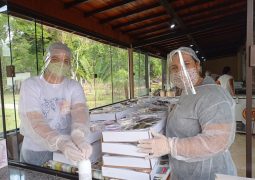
{"points": [[57, 62], [183, 74]]}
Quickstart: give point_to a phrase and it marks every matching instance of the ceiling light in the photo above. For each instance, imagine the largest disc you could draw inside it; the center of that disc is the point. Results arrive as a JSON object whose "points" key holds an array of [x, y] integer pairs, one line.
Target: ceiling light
{"points": [[197, 51], [191, 45], [172, 26], [202, 57]]}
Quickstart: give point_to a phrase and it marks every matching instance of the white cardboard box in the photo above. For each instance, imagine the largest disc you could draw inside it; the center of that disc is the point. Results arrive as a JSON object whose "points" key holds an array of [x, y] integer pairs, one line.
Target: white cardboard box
{"points": [[96, 154], [122, 114], [3, 153], [129, 162], [132, 135], [94, 136], [122, 173], [103, 116], [126, 149], [228, 177]]}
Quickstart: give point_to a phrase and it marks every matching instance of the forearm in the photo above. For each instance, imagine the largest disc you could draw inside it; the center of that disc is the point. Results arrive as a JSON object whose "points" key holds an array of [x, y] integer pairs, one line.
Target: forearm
{"points": [[213, 140], [80, 118], [41, 131]]}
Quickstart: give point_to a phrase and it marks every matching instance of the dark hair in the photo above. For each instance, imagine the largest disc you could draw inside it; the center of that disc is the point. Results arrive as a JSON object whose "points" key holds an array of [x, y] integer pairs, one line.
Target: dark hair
{"points": [[226, 70]]}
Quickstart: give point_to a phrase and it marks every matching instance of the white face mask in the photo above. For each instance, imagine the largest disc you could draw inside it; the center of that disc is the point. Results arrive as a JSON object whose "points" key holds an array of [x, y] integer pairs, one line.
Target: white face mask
{"points": [[58, 69], [180, 81]]}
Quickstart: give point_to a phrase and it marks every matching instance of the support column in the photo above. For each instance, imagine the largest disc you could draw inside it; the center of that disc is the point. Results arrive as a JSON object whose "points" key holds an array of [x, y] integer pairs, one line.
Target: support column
{"points": [[131, 72], [147, 75], [249, 43], [164, 74]]}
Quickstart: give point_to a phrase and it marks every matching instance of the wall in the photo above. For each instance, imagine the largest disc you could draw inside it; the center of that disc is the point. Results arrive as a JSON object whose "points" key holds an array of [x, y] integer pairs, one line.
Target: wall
{"points": [[216, 66]]}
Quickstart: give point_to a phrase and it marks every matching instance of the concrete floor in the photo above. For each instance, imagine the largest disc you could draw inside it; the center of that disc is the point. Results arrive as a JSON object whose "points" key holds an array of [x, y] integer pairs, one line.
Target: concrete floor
{"points": [[238, 152]]}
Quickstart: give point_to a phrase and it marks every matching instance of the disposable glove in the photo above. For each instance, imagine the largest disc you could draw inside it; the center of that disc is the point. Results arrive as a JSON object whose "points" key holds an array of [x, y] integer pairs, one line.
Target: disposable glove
{"points": [[158, 146], [69, 149], [78, 138]]}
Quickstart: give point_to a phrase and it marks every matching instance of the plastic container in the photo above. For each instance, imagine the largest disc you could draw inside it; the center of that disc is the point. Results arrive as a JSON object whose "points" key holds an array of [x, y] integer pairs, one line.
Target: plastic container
{"points": [[85, 170]]}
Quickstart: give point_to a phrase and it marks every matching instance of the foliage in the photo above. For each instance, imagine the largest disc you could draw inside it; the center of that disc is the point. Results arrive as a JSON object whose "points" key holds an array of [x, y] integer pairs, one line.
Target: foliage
{"points": [[29, 42]]}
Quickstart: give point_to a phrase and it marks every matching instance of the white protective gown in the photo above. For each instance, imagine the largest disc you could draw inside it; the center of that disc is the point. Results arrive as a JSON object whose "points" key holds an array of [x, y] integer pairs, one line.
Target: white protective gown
{"points": [[203, 128]]}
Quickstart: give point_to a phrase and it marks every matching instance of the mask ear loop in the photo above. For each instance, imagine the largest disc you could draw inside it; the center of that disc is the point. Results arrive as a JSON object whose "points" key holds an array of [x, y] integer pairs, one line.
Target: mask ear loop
{"points": [[193, 91]]}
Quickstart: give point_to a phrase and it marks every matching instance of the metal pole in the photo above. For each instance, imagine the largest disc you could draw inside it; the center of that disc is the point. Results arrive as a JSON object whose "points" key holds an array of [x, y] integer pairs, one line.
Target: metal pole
{"points": [[249, 43], [36, 51], [2, 100], [13, 89]]}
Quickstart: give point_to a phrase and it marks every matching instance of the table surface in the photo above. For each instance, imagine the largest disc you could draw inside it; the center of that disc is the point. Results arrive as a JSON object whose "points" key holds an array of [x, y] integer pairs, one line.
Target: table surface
{"points": [[16, 173]]}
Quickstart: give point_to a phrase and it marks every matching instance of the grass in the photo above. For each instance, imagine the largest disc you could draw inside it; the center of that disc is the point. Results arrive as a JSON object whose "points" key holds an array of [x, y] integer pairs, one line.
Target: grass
{"points": [[10, 120]]}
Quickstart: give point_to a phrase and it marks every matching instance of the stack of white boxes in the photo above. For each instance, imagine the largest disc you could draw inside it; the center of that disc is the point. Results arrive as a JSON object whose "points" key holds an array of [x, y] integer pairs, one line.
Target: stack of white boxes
{"points": [[121, 158], [94, 138]]}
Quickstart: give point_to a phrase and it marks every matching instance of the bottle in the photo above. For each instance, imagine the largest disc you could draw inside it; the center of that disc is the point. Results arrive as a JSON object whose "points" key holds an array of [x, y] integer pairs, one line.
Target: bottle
{"points": [[84, 167]]}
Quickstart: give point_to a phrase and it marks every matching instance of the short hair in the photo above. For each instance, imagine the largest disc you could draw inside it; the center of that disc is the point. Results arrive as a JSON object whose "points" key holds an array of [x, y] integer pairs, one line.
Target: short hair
{"points": [[55, 48], [226, 70]]}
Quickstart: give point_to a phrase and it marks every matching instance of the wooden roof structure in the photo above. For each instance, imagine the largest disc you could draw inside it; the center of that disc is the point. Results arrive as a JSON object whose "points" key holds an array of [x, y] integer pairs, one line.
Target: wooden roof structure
{"points": [[213, 27]]}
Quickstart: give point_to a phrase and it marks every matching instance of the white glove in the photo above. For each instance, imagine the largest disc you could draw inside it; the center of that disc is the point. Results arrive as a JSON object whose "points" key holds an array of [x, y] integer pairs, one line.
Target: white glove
{"points": [[70, 150], [158, 146], [78, 138]]}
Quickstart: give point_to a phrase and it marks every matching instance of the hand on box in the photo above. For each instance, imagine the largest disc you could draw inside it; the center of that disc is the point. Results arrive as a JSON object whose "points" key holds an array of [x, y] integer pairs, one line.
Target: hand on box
{"points": [[158, 146], [70, 150], [80, 141]]}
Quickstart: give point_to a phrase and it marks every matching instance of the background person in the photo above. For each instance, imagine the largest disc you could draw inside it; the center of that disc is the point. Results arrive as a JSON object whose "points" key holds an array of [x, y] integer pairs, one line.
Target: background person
{"points": [[227, 81]]}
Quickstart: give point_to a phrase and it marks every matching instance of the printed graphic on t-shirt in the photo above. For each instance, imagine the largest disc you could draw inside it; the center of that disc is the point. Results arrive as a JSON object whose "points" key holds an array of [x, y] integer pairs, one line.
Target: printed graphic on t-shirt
{"points": [[56, 111]]}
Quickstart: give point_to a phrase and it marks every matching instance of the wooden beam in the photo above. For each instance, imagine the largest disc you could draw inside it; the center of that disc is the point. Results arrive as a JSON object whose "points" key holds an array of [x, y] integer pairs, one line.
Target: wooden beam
{"points": [[229, 22], [197, 29], [153, 34], [174, 43], [220, 32], [74, 3], [171, 12], [222, 19], [186, 16], [131, 73], [54, 13], [151, 30], [107, 8], [131, 13], [216, 10], [211, 52], [146, 25], [213, 7], [152, 24], [149, 7], [139, 20]]}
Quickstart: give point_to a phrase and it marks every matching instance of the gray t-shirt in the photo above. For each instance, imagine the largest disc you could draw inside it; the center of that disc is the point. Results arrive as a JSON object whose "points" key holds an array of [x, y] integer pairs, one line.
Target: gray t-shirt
{"points": [[187, 119]]}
